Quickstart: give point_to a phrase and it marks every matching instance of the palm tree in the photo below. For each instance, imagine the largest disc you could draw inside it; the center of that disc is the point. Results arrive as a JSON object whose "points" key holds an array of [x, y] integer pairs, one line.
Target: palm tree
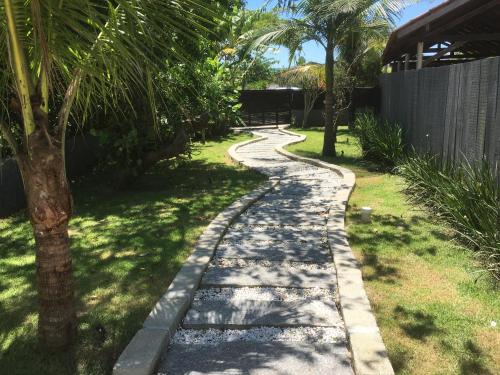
{"points": [[360, 53], [329, 23], [58, 58]]}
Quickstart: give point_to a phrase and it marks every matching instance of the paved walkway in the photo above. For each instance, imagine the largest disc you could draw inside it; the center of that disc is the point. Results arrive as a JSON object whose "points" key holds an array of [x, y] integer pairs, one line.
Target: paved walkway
{"points": [[266, 305]]}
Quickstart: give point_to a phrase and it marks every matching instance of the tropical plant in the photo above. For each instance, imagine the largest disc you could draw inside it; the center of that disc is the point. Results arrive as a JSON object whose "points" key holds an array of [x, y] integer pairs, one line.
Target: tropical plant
{"points": [[467, 195], [380, 141], [248, 66], [362, 50], [259, 73], [59, 59], [311, 79], [330, 23]]}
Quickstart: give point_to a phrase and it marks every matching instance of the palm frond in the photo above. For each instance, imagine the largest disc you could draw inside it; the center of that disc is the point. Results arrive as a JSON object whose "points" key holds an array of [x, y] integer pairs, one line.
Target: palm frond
{"points": [[103, 47]]}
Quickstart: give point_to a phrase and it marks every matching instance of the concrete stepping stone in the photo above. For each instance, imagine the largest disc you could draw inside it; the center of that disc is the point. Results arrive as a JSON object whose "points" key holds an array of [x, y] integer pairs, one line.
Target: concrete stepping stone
{"points": [[264, 233], [311, 184], [303, 189], [289, 207], [257, 358], [297, 219], [286, 202], [276, 202], [248, 313], [314, 251], [279, 276], [287, 212]]}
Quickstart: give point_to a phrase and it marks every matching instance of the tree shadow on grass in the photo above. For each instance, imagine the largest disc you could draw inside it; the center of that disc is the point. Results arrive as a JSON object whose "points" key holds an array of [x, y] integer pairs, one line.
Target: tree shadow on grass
{"points": [[388, 274], [383, 237], [416, 324], [473, 362], [127, 247], [399, 357]]}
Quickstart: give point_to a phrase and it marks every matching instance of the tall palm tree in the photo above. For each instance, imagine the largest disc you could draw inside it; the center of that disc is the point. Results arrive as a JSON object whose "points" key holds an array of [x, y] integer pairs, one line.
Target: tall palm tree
{"points": [[329, 23], [58, 58]]}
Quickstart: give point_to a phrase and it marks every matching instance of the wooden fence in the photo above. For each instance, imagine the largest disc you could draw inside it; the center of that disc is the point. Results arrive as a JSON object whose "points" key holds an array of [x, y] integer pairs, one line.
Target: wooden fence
{"points": [[81, 156], [278, 106], [266, 107], [452, 111]]}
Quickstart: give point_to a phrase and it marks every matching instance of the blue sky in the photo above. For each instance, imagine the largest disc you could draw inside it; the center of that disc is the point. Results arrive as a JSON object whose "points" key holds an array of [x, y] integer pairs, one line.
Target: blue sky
{"points": [[313, 52]]}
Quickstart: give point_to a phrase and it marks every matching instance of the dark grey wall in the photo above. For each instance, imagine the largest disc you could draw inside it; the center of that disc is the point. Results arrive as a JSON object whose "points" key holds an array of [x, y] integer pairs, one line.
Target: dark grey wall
{"points": [[452, 111], [81, 156], [316, 118]]}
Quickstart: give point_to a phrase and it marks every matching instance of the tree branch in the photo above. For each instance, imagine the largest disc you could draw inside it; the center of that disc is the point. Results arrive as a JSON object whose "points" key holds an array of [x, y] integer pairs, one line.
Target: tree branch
{"points": [[167, 151]]}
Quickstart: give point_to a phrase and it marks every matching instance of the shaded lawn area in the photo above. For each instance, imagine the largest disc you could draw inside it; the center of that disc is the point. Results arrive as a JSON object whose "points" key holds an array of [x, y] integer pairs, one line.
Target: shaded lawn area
{"points": [[434, 313], [127, 247]]}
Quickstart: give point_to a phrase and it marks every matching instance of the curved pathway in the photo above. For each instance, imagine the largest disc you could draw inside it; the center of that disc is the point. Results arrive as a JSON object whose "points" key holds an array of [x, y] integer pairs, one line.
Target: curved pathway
{"points": [[267, 303]]}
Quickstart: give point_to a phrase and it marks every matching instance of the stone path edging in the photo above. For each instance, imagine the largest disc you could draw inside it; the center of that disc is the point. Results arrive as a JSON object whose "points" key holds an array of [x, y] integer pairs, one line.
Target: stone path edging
{"points": [[142, 354], [368, 351]]}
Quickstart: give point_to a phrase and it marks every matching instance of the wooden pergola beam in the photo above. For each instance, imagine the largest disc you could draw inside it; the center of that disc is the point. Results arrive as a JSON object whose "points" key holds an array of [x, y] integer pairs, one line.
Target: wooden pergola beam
{"points": [[469, 37], [443, 52], [463, 18], [476, 22]]}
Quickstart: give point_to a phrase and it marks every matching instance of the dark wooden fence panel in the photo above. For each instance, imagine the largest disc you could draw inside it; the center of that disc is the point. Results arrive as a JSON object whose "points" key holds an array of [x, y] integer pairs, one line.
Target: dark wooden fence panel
{"points": [[275, 106], [266, 107], [452, 111], [81, 156]]}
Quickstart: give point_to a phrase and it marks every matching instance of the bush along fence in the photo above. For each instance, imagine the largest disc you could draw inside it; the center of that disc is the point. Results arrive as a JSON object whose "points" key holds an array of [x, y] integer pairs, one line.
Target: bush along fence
{"points": [[465, 195], [451, 111], [81, 156]]}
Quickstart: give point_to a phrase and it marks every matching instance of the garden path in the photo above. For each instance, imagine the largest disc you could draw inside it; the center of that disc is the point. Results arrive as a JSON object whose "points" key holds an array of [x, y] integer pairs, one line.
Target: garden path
{"points": [[266, 304]]}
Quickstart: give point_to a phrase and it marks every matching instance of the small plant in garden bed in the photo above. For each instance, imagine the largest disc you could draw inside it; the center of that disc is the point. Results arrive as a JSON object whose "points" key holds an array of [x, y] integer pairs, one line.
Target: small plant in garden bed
{"points": [[465, 195], [380, 141]]}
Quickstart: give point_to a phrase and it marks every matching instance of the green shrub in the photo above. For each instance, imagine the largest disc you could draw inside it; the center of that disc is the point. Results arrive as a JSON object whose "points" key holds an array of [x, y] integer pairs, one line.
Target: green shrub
{"points": [[467, 196], [380, 141]]}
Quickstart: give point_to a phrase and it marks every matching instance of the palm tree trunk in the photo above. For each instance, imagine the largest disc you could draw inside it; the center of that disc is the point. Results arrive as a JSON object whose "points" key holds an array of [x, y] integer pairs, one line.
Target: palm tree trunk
{"points": [[42, 167], [49, 208], [329, 137]]}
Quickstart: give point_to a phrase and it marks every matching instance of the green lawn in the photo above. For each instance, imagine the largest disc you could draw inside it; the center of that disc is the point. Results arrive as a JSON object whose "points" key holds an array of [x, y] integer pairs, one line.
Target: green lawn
{"points": [[434, 306], [127, 246]]}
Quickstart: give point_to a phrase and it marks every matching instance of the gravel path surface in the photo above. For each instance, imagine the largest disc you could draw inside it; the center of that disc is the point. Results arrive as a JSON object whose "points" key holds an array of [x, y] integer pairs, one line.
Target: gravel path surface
{"points": [[291, 219], [214, 336], [264, 294]]}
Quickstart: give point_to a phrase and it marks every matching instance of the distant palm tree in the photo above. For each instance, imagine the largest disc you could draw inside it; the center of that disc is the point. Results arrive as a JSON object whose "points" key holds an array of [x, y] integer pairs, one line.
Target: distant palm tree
{"points": [[330, 23], [57, 58]]}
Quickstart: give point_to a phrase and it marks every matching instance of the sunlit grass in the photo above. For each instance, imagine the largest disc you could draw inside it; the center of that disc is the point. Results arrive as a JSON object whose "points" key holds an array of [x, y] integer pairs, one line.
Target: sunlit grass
{"points": [[127, 247], [434, 313]]}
